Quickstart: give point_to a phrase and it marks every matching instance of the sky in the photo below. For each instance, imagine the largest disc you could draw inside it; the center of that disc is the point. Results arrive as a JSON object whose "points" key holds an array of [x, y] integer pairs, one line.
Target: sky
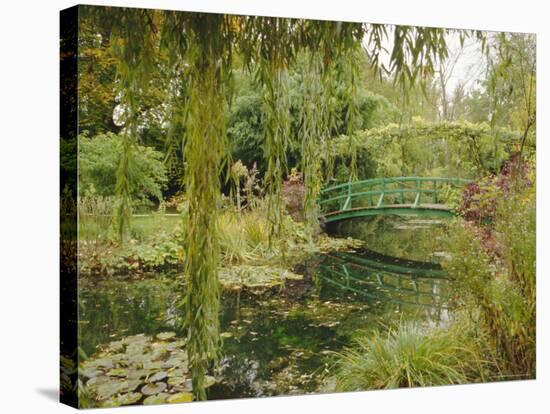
{"points": [[465, 65]]}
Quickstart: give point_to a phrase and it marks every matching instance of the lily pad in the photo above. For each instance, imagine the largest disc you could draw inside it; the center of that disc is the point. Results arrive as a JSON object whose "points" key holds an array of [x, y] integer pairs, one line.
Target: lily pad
{"points": [[180, 397], [177, 372], [155, 365], [158, 376], [156, 399], [110, 388], [89, 372], [186, 385], [118, 372], [176, 380], [130, 398], [173, 346], [166, 335], [98, 363], [133, 384], [124, 399], [152, 389], [136, 339], [96, 381], [116, 346], [158, 354], [136, 374], [177, 363]]}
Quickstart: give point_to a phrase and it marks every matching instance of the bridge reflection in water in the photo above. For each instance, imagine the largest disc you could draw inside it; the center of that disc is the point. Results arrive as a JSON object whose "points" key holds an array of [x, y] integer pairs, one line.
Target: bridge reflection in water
{"points": [[388, 280]]}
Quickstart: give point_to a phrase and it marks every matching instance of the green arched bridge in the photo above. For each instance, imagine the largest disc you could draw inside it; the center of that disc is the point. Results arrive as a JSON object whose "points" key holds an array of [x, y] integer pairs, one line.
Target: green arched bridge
{"points": [[403, 196]]}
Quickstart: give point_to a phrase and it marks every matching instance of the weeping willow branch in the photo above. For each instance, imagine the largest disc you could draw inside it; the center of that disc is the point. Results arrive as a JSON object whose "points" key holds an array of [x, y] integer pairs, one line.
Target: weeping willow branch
{"points": [[314, 120], [272, 75], [134, 46], [352, 113], [205, 149]]}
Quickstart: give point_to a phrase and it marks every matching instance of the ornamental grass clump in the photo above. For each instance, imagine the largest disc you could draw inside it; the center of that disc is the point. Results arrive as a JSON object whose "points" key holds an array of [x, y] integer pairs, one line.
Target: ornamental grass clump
{"points": [[410, 355]]}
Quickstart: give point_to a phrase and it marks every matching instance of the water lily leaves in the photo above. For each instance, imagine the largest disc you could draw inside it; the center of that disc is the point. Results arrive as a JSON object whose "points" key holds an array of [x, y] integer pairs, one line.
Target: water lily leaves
{"points": [[166, 335], [153, 365], [136, 339], [176, 380], [180, 397], [136, 374], [116, 346], [98, 363], [137, 369], [110, 388], [177, 372], [89, 372], [133, 384], [226, 334], [158, 354], [151, 389], [136, 349], [178, 344], [130, 398], [158, 376], [118, 372], [177, 363], [95, 381], [156, 399], [255, 276], [124, 399]]}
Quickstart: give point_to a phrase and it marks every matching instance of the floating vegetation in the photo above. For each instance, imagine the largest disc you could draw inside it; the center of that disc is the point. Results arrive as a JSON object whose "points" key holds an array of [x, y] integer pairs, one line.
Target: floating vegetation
{"points": [[255, 276], [140, 369]]}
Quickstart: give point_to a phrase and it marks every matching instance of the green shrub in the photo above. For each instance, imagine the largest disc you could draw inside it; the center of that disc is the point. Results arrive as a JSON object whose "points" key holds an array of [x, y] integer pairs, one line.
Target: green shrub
{"points": [[98, 163], [495, 267]]}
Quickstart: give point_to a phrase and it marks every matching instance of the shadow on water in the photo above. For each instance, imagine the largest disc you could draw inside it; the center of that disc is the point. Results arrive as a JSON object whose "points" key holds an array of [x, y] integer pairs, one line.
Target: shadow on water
{"points": [[281, 341]]}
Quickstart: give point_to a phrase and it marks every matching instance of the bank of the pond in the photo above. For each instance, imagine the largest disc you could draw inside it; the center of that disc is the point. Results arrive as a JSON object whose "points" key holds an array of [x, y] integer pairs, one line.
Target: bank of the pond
{"points": [[248, 252]]}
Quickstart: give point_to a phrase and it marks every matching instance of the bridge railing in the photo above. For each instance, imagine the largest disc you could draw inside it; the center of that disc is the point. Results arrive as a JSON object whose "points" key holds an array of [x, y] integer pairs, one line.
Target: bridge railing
{"points": [[379, 192]]}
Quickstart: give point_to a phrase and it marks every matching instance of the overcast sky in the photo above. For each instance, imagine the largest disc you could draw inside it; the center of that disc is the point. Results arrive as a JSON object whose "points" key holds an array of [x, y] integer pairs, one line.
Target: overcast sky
{"points": [[465, 65]]}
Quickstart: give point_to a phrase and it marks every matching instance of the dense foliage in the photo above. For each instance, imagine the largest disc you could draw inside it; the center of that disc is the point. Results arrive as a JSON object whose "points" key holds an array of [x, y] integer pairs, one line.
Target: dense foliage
{"points": [[98, 162], [456, 149], [494, 260]]}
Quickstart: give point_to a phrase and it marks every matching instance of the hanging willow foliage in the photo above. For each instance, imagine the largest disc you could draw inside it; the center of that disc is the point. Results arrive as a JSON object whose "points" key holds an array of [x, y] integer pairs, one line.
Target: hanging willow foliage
{"points": [[351, 73], [205, 150], [135, 49], [267, 48], [318, 115], [315, 118]]}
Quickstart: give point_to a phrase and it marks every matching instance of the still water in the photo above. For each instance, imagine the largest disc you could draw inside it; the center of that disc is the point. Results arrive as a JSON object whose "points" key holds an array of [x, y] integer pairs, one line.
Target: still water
{"points": [[282, 341]]}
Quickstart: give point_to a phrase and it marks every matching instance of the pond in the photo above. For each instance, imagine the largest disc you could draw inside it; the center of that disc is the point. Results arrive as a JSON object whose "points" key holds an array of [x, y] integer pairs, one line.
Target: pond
{"points": [[282, 341]]}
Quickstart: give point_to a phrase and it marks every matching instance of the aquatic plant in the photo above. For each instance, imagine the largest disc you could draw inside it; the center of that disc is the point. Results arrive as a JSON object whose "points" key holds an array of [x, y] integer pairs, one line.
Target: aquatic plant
{"points": [[410, 355], [138, 369]]}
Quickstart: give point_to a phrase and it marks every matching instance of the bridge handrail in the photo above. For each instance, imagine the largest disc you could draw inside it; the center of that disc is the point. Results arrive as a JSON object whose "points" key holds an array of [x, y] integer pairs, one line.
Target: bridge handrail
{"points": [[377, 181], [378, 192]]}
